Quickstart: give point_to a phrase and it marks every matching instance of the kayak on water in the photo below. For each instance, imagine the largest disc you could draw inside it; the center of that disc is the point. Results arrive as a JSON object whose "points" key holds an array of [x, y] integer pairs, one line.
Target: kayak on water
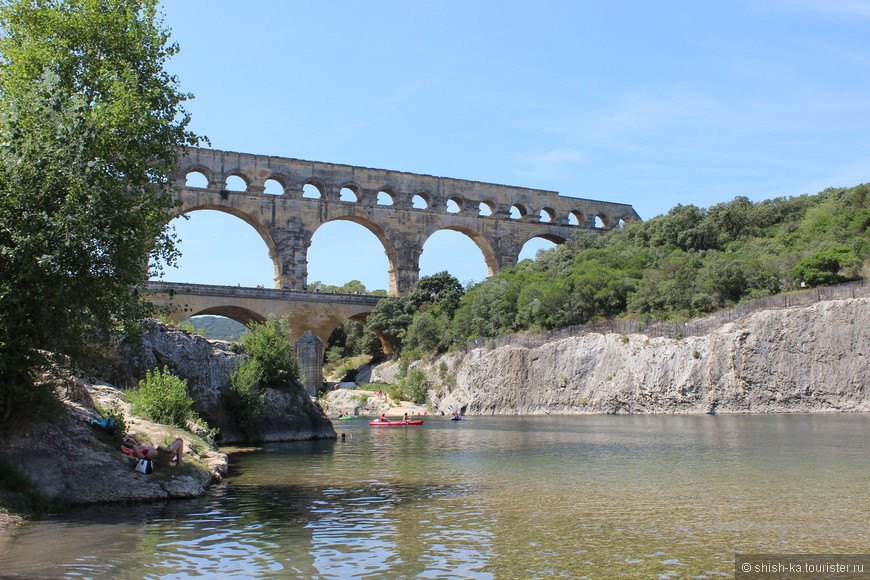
{"points": [[395, 423], [348, 418]]}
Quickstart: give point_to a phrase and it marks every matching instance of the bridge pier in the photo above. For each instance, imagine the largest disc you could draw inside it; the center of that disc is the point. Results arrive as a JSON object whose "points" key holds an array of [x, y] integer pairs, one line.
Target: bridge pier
{"points": [[309, 353]]}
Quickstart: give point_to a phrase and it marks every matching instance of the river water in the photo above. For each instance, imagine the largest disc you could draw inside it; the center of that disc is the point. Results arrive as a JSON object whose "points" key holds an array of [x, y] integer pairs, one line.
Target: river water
{"points": [[491, 497]]}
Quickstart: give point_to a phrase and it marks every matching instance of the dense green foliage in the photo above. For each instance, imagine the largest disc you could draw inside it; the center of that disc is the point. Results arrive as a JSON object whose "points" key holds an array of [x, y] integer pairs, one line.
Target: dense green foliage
{"points": [[90, 126], [414, 387], [351, 338], [162, 397], [271, 354], [686, 263], [421, 319], [271, 363], [677, 266], [352, 287], [242, 398]]}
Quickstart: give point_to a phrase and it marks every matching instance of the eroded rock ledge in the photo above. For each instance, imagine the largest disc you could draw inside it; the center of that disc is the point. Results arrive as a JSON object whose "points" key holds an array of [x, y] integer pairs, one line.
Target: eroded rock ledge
{"points": [[287, 415], [71, 461]]}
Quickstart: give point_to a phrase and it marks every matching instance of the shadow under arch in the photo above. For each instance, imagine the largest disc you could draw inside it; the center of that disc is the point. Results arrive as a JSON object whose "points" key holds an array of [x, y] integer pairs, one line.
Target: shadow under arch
{"points": [[480, 241], [252, 221], [237, 313]]}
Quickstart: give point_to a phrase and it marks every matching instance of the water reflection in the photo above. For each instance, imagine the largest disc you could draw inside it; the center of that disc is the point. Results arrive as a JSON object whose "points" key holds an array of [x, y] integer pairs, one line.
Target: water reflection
{"points": [[503, 497]]}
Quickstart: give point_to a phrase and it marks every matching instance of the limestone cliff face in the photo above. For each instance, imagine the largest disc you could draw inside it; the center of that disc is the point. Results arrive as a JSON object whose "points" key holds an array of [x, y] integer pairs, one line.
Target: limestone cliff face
{"points": [[206, 365], [806, 359]]}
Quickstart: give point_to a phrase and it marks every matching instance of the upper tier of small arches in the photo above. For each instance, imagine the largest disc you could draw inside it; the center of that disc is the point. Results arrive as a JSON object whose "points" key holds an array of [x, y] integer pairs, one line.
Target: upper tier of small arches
{"points": [[311, 180]]}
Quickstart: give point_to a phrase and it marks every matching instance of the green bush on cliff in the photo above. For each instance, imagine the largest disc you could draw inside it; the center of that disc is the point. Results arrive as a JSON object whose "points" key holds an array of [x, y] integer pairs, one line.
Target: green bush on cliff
{"points": [[241, 398], [162, 397], [268, 346]]}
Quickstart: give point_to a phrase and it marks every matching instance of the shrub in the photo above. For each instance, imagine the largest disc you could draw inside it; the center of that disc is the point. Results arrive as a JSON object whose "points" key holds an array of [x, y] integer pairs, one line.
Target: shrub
{"points": [[415, 387], [118, 427], [162, 397], [824, 267], [268, 344], [241, 398]]}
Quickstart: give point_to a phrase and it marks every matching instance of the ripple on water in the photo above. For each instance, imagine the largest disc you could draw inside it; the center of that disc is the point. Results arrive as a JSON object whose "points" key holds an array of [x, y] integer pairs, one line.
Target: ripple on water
{"points": [[492, 498]]}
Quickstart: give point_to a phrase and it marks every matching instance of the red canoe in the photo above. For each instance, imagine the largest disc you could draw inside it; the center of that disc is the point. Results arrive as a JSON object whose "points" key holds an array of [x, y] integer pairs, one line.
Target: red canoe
{"points": [[395, 423]]}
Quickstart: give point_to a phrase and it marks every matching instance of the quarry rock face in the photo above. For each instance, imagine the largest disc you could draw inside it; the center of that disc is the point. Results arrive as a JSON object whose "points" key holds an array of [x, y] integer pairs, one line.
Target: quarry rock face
{"points": [[805, 359]]}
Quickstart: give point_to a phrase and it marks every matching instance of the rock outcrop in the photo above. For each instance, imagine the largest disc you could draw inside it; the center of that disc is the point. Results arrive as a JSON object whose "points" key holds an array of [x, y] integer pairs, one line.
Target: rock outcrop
{"points": [[72, 461], [807, 359], [345, 401], [206, 366], [69, 460]]}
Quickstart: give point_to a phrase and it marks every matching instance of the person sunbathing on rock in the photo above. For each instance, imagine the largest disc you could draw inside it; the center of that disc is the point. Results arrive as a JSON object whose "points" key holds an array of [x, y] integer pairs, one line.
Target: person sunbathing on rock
{"points": [[174, 450]]}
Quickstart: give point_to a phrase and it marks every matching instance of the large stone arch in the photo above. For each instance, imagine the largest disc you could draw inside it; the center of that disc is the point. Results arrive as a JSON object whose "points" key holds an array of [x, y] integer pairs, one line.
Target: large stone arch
{"points": [[261, 228], [489, 255], [241, 315], [383, 235], [289, 220]]}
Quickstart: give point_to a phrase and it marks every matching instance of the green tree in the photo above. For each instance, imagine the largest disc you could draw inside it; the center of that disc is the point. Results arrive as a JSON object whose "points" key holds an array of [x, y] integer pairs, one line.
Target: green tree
{"points": [[440, 291], [269, 348], [826, 267], [426, 332], [242, 398], [353, 338], [390, 318], [90, 130], [439, 294]]}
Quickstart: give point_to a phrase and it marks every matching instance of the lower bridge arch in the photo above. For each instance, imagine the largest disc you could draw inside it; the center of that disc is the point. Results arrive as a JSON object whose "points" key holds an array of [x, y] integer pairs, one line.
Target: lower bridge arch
{"points": [[312, 315]]}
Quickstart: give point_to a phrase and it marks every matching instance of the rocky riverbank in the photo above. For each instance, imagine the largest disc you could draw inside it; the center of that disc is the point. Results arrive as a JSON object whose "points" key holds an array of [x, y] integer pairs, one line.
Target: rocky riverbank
{"points": [[71, 461], [803, 359]]}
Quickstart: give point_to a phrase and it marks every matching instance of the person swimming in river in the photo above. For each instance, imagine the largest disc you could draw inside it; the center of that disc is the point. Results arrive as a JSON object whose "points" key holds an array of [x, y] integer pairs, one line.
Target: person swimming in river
{"points": [[135, 449]]}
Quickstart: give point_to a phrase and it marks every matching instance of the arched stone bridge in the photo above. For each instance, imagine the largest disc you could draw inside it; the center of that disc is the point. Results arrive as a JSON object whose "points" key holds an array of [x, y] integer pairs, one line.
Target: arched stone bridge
{"points": [[317, 312], [387, 203], [401, 209], [313, 316]]}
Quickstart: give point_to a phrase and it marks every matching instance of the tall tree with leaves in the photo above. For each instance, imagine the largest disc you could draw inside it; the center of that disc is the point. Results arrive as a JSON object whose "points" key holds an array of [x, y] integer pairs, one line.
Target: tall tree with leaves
{"points": [[90, 130]]}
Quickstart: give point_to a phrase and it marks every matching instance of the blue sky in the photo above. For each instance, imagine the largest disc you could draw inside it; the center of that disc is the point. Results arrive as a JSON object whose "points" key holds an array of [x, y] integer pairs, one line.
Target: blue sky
{"points": [[653, 104]]}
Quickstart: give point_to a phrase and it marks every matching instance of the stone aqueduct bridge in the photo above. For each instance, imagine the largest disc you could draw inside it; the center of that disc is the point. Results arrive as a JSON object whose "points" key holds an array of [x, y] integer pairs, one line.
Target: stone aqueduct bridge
{"points": [[387, 203], [313, 315]]}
